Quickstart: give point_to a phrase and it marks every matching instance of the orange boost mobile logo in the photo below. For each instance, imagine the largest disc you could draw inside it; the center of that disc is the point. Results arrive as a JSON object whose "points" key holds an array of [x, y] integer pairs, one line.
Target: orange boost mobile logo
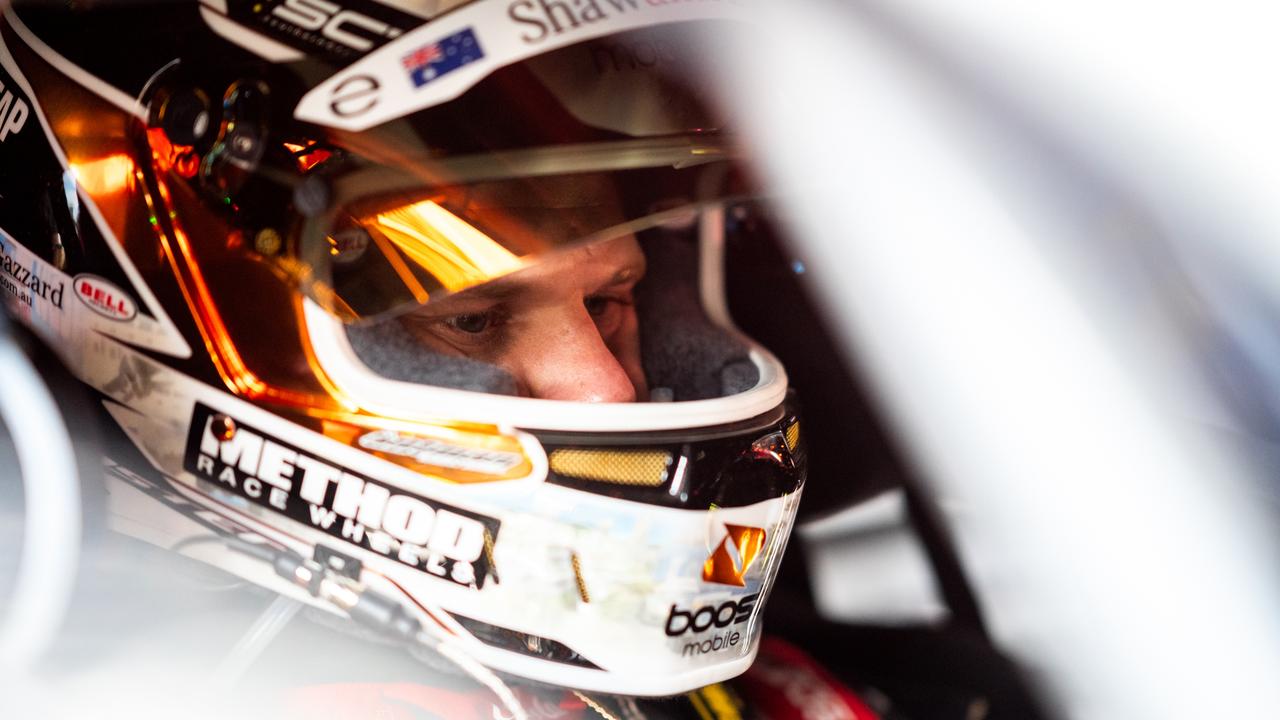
{"points": [[732, 556]]}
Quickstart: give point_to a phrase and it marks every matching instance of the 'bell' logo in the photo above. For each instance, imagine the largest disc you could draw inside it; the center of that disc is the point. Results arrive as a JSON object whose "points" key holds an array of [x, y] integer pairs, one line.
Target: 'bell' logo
{"points": [[104, 297], [733, 554]]}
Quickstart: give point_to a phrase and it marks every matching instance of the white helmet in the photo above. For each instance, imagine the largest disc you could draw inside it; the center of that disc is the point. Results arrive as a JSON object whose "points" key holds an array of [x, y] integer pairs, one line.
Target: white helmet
{"points": [[424, 310]]}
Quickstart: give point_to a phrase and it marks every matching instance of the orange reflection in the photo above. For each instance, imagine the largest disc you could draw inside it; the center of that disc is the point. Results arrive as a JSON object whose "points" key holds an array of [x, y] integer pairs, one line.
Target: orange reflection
{"points": [[339, 416], [401, 269], [307, 156], [733, 555], [456, 455], [445, 245], [180, 158], [226, 358], [104, 176]]}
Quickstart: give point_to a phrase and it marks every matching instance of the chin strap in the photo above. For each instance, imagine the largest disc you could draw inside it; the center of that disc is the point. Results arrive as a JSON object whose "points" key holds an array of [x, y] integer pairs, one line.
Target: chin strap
{"points": [[256, 639]]}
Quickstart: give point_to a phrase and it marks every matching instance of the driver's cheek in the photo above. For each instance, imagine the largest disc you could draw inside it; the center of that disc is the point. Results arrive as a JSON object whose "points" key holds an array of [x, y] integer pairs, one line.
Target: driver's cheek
{"points": [[565, 358]]}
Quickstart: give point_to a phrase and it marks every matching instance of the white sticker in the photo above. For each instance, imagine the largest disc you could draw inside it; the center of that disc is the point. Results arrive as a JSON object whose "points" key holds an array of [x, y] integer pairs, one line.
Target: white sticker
{"points": [[429, 451], [444, 58], [104, 297]]}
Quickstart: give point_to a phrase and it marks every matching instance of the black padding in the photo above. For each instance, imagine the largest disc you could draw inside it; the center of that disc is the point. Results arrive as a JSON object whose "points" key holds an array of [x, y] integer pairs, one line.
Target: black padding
{"points": [[390, 351], [738, 375], [680, 347]]}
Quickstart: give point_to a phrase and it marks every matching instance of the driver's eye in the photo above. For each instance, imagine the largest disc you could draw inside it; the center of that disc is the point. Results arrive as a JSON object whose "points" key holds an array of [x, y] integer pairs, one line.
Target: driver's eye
{"points": [[473, 323], [596, 305]]}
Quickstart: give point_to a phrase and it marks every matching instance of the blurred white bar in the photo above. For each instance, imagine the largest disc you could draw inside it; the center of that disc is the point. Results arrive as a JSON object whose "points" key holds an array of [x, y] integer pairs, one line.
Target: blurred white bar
{"points": [[50, 553], [1119, 558], [867, 565]]}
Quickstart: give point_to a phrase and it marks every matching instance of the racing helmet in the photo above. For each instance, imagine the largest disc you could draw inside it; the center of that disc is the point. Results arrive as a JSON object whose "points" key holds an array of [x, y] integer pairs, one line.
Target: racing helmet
{"points": [[296, 247]]}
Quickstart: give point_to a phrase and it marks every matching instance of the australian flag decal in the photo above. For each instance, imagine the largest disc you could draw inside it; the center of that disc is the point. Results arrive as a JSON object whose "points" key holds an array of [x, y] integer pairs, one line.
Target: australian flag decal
{"points": [[442, 57]]}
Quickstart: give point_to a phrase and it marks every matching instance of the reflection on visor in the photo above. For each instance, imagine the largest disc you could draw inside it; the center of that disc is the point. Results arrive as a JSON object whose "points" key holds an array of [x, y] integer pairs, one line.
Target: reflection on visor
{"points": [[386, 254], [371, 238], [440, 244], [574, 145]]}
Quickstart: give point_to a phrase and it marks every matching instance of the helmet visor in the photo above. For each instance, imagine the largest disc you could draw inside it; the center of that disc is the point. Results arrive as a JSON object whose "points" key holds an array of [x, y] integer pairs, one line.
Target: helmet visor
{"points": [[391, 239], [595, 140]]}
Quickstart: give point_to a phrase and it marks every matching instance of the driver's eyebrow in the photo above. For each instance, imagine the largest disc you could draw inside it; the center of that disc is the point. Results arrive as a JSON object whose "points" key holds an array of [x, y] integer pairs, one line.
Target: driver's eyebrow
{"points": [[511, 286], [499, 290], [505, 288], [631, 272]]}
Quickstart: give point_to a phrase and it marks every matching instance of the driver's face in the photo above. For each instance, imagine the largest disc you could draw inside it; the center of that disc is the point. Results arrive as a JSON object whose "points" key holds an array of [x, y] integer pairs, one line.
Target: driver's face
{"points": [[565, 328]]}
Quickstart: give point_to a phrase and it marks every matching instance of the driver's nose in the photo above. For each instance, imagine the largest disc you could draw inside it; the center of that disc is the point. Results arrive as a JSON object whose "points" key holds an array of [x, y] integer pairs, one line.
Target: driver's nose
{"points": [[568, 360]]}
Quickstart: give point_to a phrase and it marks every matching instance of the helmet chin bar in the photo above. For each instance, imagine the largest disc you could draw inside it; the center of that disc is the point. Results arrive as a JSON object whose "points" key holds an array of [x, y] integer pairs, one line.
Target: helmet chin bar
{"points": [[669, 605]]}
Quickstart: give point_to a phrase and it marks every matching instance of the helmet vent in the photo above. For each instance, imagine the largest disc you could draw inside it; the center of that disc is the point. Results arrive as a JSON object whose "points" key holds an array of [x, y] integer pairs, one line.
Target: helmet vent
{"points": [[647, 468], [792, 435]]}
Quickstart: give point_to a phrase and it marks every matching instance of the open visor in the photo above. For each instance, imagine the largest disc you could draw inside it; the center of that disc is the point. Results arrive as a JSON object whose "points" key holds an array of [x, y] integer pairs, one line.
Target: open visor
{"points": [[389, 239], [599, 139]]}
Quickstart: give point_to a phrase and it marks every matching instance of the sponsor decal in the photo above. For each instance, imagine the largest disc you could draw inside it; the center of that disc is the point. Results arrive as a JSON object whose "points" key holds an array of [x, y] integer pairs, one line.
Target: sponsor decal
{"points": [[730, 612], [541, 19], [713, 644], [441, 454], [512, 30], [135, 379], [615, 57], [19, 281], [732, 554], [434, 538], [13, 113], [104, 297], [435, 60], [323, 25], [355, 96]]}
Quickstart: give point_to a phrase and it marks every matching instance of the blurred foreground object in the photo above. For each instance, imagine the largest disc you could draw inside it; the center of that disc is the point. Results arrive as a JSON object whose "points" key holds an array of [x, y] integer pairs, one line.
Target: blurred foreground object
{"points": [[1047, 236], [41, 515]]}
